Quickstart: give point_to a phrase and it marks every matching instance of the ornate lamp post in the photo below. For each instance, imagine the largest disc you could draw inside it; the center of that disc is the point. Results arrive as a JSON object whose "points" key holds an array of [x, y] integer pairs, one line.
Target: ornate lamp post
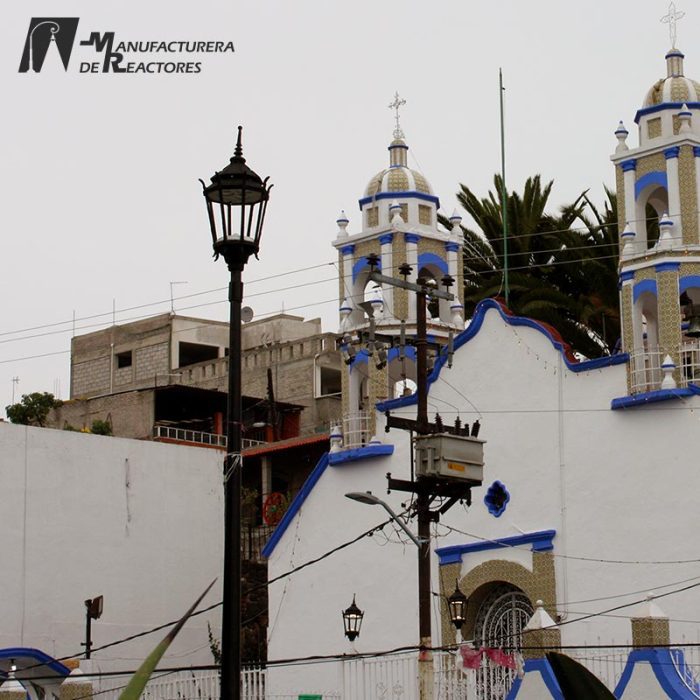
{"points": [[457, 603], [236, 202]]}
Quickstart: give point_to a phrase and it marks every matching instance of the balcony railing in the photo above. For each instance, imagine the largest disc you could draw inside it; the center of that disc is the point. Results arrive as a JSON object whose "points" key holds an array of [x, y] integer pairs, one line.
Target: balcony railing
{"points": [[356, 429], [197, 437], [645, 366]]}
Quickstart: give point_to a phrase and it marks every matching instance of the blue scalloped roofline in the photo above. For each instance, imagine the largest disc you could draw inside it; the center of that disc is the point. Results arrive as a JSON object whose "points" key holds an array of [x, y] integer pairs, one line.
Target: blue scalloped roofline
{"points": [[542, 667], [334, 459], [35, 655], [663, 665], [475, 326]]}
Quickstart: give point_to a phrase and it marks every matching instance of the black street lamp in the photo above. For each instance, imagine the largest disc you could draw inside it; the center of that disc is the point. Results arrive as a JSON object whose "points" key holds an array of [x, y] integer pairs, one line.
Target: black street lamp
{"points": [[457, 604], [236, 202], [352, 620]]}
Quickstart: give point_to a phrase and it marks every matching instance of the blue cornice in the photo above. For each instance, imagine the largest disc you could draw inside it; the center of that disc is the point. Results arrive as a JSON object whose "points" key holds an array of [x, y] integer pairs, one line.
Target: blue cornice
{"points": [[386, 238], [411, 237], [654, 397], [630, 164], [667, 267], [627, 276], [541, 541], [475, 326], [359, 453], [664, 105], [334, 458], [696, 151], [452, 247], [36, 655], [672, 152], [409, 194], [348, 249]]}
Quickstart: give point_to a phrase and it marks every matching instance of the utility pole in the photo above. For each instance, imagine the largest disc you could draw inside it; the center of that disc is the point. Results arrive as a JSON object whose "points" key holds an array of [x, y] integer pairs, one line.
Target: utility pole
{"points": [[427, 488]]}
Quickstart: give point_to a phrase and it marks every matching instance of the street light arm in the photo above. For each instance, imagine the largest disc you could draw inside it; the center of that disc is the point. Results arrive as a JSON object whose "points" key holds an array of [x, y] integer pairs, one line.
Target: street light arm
{"points": [[369, 498]]}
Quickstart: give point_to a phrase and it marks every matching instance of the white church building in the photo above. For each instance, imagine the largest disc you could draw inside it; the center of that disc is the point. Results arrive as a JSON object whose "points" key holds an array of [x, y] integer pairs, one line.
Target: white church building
{"points": [[582, 535]]}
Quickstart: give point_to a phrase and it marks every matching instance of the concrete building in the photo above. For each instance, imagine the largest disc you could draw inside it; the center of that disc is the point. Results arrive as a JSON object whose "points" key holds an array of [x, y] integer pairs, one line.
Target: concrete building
{"points": [[590, 479], [111, 368]]}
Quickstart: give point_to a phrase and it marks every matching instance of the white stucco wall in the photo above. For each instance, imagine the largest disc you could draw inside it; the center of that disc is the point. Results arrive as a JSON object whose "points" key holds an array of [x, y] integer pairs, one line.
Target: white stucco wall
{"points": [[613, 484], [82, 515]]}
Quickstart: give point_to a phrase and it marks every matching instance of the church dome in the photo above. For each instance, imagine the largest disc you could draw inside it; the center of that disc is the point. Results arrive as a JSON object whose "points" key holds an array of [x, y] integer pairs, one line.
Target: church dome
{"points": [[398, 177], [675, 87]]}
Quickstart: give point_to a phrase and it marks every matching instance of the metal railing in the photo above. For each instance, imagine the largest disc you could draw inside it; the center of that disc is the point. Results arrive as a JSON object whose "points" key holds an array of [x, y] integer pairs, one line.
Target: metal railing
{"points": [[198, 437], [356, 429], [170, 433], [645, 366]]}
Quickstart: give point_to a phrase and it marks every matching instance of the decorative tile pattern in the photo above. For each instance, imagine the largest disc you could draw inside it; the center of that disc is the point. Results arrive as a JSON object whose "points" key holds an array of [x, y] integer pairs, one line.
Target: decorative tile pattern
{"points": [[620, 189], [425, 215], [650, 632], [421, 183], [373, 216], [688, 195], [651, 163], [654, 128], [538, 584], [627, 332], [669, 314], [398, 181]]}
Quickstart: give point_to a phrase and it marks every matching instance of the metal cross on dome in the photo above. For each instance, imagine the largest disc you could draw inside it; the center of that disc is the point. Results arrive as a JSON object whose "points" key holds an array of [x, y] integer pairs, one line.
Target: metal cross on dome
{"points": [[671, 18], [396, 105]]}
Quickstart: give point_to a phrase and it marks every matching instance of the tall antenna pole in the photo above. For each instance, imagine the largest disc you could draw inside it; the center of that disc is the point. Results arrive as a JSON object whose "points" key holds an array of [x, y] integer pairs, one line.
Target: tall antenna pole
{"points": [[504, 194]]}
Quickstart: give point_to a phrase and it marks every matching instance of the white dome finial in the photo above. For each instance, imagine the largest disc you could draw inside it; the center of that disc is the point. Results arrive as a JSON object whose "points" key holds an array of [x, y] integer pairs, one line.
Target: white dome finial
{"points": [[621, 133]]}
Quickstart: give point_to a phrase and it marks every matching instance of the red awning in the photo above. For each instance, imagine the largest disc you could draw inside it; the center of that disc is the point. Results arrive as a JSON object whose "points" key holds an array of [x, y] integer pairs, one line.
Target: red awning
{"points": [[291, 443]]}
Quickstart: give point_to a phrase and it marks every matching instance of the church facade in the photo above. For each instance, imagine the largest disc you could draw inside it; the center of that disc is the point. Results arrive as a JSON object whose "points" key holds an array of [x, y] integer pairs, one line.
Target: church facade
{"points": [[581, 536]]}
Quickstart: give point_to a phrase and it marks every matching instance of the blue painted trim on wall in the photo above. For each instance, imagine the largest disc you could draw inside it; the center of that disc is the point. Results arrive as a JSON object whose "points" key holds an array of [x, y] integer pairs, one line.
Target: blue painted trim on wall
{"points": [[643, 286], [295, 506], [661, 662], [328, 458], [360, 265], [663, 106], [452, 247], [541, 542], [667, 267], [696, 151], [409, 194], [475, 326], [393, 353], [654, 178], [654, 397], [367, 452], [425, 259], [542, 667], [627, 165], [386, 238], [688, 281], [36, 655], [411, 237], [672, 152], [626, 276], [347, 249]]}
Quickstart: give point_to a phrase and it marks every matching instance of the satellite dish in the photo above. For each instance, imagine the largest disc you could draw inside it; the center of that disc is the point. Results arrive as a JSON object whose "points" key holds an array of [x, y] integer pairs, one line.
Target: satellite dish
{"points": [[246, 314]]}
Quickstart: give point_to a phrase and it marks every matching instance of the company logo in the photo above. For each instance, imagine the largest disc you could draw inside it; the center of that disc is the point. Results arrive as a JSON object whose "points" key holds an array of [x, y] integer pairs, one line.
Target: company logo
{"points": [[47, 34]]}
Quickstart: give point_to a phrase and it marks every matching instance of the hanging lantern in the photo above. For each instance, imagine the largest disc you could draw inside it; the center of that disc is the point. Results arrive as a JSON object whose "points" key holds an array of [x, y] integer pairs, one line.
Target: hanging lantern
{"points": [[457, 603], [352, 620]]}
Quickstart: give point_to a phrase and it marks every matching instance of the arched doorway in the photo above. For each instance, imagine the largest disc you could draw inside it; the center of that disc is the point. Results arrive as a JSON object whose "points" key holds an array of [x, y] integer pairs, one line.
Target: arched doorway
{"points": [[500, 620]]}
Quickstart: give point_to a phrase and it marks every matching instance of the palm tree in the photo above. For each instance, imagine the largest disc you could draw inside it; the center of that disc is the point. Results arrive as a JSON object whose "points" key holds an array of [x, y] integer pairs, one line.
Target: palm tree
{"points": [[556, 272]]}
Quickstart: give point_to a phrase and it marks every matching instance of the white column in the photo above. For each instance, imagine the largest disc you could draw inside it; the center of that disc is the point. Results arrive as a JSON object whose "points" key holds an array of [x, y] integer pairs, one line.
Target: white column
{"points": [[674, 194], [454, 250], [629, 168], [348, 252], [412, 259], [387, 255]]}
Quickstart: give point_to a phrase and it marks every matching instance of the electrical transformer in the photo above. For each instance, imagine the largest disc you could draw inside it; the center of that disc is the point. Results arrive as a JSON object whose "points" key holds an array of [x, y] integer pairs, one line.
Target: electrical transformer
{"points": [[450, 457]]}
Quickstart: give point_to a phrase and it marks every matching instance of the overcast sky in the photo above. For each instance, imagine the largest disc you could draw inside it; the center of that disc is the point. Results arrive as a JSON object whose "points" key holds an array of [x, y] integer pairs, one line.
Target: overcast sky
{"points": [[101, 203]]}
